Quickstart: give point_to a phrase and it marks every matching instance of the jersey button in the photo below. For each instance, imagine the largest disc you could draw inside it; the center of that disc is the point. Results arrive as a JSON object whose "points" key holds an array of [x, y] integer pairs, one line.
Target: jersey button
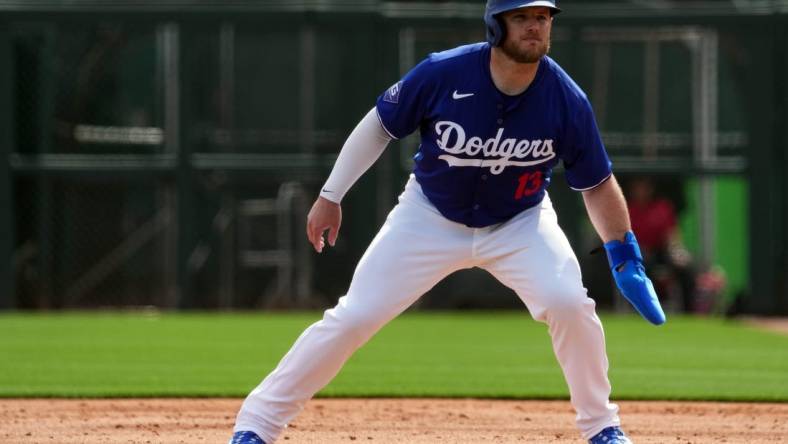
{"points": [[500, 106], [484, 177], [476, 207], [500, 121]]}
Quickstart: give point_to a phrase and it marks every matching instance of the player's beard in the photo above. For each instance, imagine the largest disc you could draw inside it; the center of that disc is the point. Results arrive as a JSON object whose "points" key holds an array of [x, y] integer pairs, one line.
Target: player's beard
{"points": [[530, 55]]}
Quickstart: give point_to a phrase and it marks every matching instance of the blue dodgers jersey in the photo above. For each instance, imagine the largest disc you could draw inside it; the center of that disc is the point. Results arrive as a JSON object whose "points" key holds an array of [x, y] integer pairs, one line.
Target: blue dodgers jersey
{"points": [[486, 156]]}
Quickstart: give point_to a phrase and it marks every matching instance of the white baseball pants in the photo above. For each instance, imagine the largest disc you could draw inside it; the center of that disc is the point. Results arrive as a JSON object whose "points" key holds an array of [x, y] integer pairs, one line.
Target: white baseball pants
{"points": [[414, 250]]}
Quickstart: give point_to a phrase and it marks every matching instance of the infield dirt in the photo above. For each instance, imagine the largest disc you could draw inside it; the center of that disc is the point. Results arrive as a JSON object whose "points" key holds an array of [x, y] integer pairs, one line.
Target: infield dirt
{"points": [[329, 421]]}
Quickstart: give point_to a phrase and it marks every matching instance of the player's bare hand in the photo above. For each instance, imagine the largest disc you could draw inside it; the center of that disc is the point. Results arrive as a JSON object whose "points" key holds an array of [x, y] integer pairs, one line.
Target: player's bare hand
{"points": [[324, 215]]}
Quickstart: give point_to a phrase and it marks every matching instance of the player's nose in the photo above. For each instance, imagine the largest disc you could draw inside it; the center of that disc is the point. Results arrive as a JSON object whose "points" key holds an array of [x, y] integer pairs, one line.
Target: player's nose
{"points": [[531, 31]]}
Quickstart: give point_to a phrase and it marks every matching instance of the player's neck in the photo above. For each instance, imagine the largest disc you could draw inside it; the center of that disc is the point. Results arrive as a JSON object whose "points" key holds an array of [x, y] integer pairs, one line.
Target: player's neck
{"points": [[509, 76]]}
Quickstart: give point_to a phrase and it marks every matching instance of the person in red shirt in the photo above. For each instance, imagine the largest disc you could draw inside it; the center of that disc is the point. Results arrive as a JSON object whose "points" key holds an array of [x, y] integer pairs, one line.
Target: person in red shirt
{"points": [[654, 222]]}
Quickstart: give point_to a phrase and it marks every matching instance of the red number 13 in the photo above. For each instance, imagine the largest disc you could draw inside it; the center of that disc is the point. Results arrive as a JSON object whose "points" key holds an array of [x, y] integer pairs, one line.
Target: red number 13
{"points": [[528, 184]]}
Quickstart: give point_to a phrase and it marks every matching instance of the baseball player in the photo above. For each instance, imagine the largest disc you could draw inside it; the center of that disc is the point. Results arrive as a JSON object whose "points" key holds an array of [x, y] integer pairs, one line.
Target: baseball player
{"points": [[494, 119]]}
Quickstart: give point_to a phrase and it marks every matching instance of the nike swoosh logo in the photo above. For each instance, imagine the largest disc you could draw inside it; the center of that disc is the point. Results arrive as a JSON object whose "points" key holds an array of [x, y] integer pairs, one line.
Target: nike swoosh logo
{"points": [[457, 95], [327, 191]]}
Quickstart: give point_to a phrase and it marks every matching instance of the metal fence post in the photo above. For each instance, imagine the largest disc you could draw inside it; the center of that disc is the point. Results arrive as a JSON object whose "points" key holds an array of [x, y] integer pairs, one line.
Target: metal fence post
{"points": [[178, 289], [7, 292]]}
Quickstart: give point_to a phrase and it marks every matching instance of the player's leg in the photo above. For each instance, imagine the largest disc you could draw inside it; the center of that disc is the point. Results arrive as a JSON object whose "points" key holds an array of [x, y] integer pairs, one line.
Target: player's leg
{"points": [[414, 249], [531, 255]]}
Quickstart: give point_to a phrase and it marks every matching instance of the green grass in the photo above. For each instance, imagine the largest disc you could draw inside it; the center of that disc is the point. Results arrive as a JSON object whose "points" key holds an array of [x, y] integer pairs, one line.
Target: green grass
{"points": [[499, 354]]}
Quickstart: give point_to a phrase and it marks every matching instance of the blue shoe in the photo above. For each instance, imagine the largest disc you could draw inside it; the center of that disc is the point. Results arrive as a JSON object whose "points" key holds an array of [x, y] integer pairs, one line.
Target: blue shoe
{"points": [[245, 438], [610, 435]]}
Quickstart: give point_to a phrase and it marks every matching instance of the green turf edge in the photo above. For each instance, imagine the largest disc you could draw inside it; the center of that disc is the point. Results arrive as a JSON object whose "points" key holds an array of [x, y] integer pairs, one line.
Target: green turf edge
{"points": [[618, 324]]}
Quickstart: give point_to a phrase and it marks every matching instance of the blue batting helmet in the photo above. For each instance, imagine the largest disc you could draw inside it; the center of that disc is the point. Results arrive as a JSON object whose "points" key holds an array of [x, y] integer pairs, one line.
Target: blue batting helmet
{"points": [[495, 29]]}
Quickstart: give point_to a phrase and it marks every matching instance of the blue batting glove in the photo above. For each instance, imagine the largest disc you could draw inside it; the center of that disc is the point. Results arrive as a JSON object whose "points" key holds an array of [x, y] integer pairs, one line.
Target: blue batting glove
{"points": [[626, 263]]}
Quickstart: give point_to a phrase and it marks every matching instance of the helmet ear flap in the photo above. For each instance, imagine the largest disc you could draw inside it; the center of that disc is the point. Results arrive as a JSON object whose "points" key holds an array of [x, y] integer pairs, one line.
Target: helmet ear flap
{"points": [[496, 30], [501, 30]]}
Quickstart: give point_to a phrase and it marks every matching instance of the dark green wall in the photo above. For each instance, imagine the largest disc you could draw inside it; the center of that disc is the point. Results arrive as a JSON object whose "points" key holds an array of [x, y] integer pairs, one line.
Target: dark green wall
{"points": [[280, 137]]}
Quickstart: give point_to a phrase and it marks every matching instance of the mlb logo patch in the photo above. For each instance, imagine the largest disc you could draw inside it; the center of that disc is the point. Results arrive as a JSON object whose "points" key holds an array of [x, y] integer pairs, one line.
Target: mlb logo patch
{"points": [[392, 94]]}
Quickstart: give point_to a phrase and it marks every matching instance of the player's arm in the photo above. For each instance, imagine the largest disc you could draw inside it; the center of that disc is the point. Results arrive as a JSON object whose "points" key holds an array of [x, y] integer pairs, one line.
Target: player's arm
{"points": [[608, 212], [361, 149]]}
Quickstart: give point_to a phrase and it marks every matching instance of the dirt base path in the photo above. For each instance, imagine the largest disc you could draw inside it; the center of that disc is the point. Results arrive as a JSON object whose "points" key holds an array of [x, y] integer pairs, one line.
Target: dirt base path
{"points": [[329, 421]]}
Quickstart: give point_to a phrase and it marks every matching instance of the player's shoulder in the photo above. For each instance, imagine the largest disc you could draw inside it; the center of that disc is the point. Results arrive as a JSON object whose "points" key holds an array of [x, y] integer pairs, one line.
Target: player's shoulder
{"points": [[459, 54], [438, 67], [564, 82], [455, 61]]}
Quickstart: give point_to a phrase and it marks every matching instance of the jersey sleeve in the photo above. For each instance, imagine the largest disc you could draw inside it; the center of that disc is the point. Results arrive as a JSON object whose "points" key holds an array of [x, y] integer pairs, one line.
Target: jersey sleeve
{"points": [[585, 159], [402, 107]]}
